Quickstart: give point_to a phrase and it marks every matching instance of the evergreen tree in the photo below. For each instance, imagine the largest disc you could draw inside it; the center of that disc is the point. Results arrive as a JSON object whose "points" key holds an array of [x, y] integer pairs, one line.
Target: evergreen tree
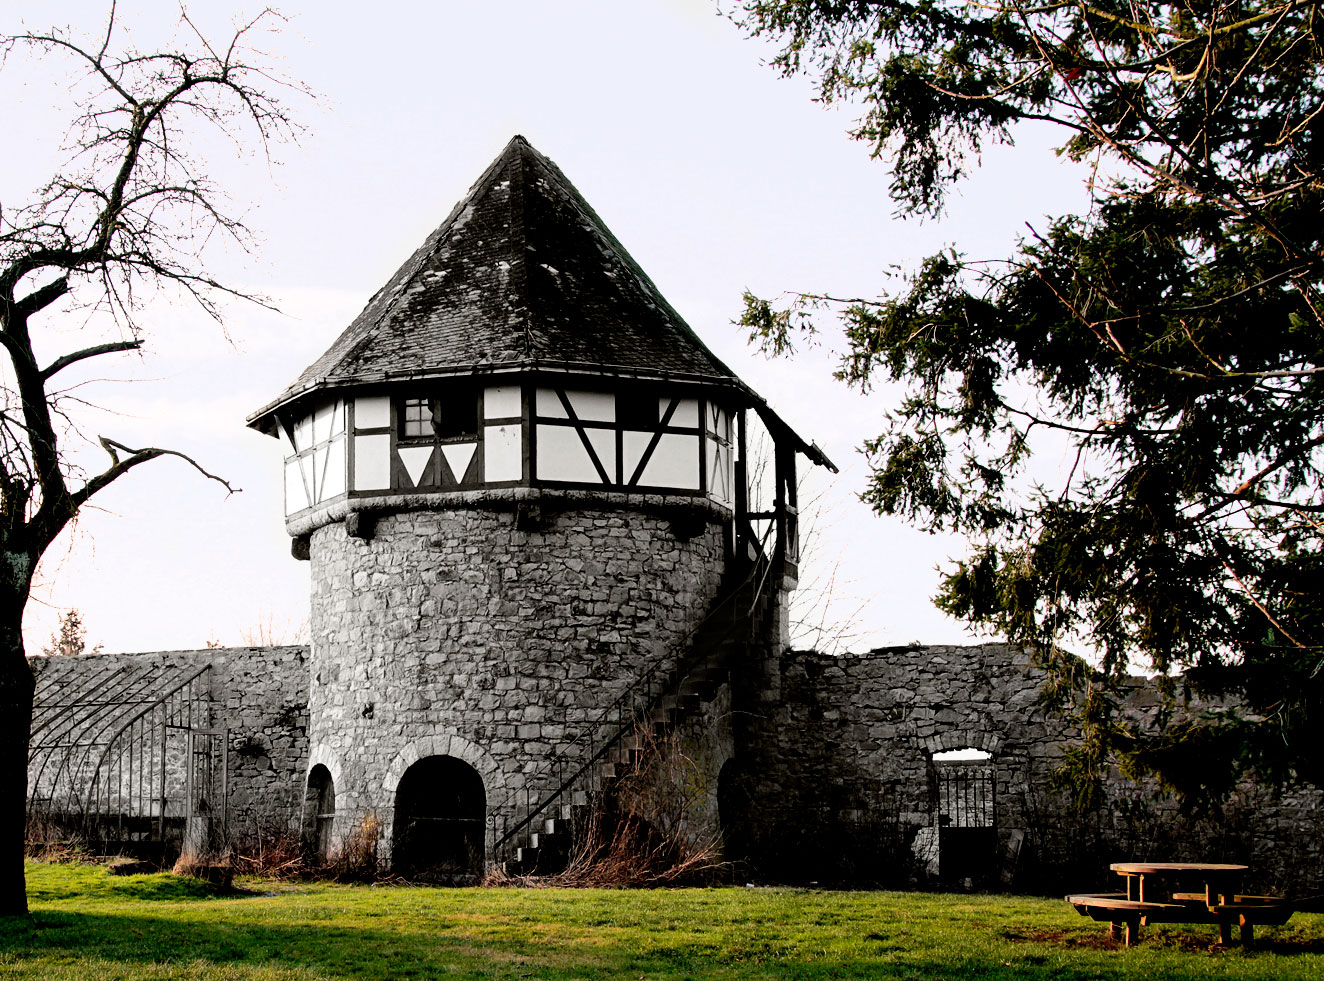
{"points": [[1173, 336], [70, 640]]}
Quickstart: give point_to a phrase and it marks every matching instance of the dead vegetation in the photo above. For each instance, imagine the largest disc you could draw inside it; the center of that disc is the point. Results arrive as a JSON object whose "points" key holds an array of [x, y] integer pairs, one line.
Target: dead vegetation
{"points": [[655, 825]]}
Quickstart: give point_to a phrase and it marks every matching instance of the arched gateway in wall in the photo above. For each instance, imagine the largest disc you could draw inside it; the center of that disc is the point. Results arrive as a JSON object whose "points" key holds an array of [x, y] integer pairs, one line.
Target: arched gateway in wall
{"points": [[440, 818], [520, 478]]}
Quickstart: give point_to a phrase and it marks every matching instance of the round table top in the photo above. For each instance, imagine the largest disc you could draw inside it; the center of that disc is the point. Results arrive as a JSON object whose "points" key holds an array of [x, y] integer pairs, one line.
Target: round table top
{"points": [[1155, 868]]}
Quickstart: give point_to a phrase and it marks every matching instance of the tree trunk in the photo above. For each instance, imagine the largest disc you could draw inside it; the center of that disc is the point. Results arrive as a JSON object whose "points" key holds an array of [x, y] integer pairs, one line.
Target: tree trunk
{"points": [[16, 688]]}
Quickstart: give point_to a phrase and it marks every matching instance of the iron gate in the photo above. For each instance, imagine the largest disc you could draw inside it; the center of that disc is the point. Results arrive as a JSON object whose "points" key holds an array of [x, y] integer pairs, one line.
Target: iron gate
{"points": [[967, 834]]}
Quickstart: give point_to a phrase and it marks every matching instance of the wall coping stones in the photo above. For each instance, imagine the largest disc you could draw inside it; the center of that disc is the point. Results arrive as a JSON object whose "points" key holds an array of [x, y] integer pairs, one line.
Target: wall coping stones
{"points": [[983, 739]]}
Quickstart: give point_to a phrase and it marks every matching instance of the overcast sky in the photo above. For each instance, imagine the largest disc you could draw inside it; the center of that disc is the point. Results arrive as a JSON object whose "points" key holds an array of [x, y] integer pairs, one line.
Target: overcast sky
{"points": [[716, 175]]}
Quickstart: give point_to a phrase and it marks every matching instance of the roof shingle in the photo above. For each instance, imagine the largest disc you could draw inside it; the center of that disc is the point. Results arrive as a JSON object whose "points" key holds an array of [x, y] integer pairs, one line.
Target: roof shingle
{"points": [[521, 273]]}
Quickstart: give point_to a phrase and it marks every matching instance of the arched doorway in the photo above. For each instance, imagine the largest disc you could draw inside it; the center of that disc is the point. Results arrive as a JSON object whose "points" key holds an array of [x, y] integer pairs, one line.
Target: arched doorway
{"points": [[733, 810], [440, 811], [319, 809]]}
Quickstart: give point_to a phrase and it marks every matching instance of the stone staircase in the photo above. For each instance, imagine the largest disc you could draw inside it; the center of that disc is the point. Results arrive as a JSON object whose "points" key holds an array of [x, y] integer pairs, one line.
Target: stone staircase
{"points": [[543, 839]]}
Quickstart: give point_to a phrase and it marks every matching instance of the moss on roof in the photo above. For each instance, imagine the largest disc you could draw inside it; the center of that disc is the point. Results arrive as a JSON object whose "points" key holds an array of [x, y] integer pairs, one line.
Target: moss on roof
{"points": [[521, 273]]}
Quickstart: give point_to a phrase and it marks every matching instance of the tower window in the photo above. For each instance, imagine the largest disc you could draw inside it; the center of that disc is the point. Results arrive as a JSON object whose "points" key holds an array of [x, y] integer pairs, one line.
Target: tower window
{"points": [[637, 410], [454, 415], [417, 419]]}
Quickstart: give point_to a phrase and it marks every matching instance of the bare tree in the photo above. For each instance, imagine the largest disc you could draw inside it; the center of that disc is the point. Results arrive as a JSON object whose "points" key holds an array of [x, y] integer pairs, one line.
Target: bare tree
{"points": [[130, 213]]}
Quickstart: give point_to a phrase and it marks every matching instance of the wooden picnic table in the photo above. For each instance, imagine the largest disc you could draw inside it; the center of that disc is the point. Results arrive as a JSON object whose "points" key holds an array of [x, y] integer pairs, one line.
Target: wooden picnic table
{"points": [[1154, 894], [1156, 882]]}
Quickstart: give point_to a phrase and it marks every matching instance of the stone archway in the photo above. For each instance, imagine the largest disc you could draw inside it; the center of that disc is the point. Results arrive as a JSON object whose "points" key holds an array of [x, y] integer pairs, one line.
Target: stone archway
{"points": [[319, 812], [440, 817], [734, 808]]}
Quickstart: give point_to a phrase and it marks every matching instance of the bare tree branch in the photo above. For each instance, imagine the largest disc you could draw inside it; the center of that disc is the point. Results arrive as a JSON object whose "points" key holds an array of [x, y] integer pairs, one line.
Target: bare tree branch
{"points": [[134, 458], [65, 360]]}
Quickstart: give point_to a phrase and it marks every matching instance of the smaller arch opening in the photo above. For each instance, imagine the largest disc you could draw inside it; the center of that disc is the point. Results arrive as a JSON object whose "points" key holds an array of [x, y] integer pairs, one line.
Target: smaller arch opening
{"points": [[319, 812], [733, 810]]}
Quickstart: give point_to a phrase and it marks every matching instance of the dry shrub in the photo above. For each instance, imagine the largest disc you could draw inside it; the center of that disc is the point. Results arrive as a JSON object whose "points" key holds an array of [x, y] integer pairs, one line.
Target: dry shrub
{"points": [[356, 860], [49, 840], [623, 849], [650, 827], [272, 851], [218, 870], [280, 853]]}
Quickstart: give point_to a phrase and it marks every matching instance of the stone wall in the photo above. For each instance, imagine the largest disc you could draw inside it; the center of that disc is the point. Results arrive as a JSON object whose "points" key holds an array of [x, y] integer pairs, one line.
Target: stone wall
{"points": [[263, 699], [462, 635], [836, 781], [472, 634]]}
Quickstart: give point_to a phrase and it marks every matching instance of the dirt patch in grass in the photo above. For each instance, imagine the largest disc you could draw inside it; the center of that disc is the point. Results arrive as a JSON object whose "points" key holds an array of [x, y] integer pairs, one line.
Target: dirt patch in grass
{"points": [[1066, 939]]}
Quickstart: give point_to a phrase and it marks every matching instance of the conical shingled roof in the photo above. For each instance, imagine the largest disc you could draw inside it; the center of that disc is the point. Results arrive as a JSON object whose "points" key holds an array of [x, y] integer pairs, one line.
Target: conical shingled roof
{"points": [[522, 273]]}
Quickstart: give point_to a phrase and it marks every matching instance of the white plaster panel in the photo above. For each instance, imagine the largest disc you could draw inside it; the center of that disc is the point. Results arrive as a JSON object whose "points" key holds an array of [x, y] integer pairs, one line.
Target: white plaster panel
{"points": [[415, 459], [458, 457], [332, 480], [549, 404], [719, 421], [604, 445], [372, 462], [502, 402], [296, 498], [503, 457], [593, 406], [686, 414], [303, 432], [633, 446], [562, 456], [372, 412], [674, 463], [322, 422], [719, 471], [312, 469]]}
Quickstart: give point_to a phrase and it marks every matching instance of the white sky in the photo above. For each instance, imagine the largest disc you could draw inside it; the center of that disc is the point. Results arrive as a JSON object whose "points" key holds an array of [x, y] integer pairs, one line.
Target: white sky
{"points": [[716, 174]]}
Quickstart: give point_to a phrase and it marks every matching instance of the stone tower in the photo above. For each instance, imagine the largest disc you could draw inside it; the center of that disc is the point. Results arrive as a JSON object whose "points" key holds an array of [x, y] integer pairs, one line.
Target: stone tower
{"points": [[521, 480]]}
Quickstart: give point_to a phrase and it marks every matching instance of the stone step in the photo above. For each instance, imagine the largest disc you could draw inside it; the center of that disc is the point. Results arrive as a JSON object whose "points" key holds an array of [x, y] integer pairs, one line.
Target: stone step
{"points": [[683, 702], [546, 841], [721, 644]]}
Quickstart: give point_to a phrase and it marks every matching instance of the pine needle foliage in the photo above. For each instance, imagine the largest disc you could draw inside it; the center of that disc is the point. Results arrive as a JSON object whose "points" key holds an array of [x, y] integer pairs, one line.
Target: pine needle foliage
{"points": [[1171, 339]]}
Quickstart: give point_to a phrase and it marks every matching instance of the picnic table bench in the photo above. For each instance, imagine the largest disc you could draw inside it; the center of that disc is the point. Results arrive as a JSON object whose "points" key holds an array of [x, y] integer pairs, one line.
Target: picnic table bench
{"points": [[1150, 898]]}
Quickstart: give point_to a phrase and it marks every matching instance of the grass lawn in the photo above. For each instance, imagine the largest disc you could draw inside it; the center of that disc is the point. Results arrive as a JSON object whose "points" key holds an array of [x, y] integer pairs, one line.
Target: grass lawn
{"points": [[87, 924]]}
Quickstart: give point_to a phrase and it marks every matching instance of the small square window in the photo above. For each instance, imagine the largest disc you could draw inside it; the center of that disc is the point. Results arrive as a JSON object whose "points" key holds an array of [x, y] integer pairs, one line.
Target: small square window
{"points": [[638, 410], [417, 420], [455, 414]]}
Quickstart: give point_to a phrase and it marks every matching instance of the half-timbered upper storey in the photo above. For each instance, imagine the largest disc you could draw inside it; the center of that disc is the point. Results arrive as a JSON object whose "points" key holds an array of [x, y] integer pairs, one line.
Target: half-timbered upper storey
{"points": [[465, 433], [519, 346]]}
